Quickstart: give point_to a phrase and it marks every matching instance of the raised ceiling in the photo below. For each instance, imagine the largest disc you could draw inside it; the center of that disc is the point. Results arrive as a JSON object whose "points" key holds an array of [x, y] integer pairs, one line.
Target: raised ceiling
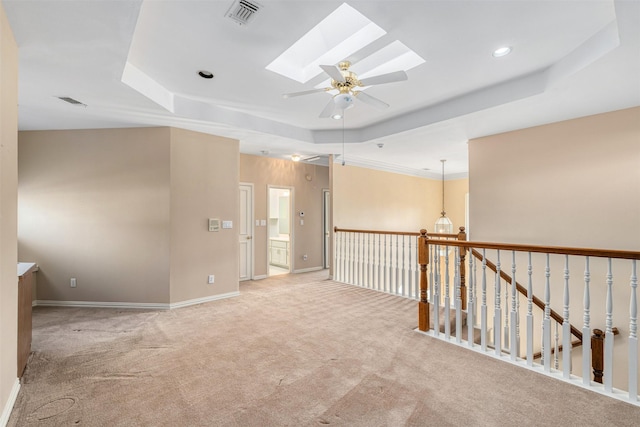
{"points": [[136, 63]]}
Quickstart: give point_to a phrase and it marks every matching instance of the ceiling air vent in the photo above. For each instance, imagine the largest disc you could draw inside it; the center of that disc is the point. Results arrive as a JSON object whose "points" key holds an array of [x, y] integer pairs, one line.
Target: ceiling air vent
{"points": [[71, 100], [243, 11]]}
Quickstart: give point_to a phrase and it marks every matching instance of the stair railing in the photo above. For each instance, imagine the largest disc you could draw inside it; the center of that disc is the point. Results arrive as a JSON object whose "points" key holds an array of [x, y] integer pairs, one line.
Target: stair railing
{"points": [[624, 259], [424, 267]]}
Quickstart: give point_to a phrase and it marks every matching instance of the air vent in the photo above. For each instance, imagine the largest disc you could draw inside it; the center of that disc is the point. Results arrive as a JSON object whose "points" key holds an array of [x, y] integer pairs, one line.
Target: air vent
{"points": [[243, 11], [71, 100]]}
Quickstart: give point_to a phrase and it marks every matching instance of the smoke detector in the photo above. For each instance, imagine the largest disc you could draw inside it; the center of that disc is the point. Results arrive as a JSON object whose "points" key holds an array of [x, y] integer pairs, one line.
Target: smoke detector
{"points": [[243, 11]]}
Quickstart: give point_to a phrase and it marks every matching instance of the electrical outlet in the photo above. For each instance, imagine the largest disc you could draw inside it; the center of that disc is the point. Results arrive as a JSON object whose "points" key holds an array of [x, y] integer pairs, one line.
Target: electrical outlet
{"points": [[305, 257], [212, 279], [74, 283]]}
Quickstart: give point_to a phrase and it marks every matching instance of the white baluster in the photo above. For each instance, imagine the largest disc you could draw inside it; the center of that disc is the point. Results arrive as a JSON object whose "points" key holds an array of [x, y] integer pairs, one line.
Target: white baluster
{"points": [[586, 327], [384, 265], [608, 336], [458, 302], [397, 284], [566, 326], [633, 336], [556, 349], [497, 318], [436, 290], [360, 260], [483, 307], [471, 303], [432, 264], [379, 263], [447, 302], [546, 322], [411, 283], [514, 314], [530, 313], [405, 290]]}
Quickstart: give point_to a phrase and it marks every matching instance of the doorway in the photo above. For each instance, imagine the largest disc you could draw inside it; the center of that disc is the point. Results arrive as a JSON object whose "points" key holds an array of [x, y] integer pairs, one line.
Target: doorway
{"points": [[279, 230]]}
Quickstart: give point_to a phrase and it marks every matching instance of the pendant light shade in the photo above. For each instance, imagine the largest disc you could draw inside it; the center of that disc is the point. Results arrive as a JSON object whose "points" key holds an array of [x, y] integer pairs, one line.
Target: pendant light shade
{"points": [[443, 224]]}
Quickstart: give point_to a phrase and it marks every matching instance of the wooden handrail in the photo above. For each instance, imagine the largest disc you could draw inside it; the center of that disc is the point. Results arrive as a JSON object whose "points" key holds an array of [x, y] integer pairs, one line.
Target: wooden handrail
{"points": [[521, 289], [574, 344], [560, 250]]}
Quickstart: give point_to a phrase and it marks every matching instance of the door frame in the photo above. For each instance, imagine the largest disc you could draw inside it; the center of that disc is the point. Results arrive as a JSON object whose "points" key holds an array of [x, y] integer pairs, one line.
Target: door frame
{"points": [[252, 231], [291, 223]]}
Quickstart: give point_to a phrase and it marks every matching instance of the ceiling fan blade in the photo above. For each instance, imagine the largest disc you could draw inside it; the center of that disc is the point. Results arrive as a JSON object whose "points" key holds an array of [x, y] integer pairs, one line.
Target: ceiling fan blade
{"points": [[305, 92], [370, 100], [396, 76], [328, 109], [333, 72]]}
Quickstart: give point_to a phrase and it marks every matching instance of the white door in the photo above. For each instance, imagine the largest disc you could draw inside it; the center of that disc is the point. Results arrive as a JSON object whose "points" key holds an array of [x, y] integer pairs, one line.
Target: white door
{"points": [[326, 225], [246, 232]]}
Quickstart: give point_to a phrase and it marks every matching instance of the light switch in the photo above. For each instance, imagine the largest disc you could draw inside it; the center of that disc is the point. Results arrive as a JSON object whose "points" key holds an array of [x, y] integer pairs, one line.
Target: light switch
{"points": [[263, 222], [214, 224], [227, 224], [257, 223]]}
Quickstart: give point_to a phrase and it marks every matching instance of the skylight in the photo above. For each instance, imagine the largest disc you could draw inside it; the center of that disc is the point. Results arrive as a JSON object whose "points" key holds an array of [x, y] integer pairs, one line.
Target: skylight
{"points": [[342, 33]]}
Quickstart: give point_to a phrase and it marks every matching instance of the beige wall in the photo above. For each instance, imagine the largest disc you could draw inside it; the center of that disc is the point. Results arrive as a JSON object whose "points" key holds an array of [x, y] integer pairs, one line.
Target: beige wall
{"points": [[204, 184], [375, 200], [570, 183], [94, 205], [262, 172], [573, 183], [124, 211], [8, 214]]}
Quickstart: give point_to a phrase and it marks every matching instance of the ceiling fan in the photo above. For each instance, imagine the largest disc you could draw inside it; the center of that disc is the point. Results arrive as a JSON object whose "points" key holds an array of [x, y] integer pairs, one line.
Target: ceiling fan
{"points": [[346, 82]]}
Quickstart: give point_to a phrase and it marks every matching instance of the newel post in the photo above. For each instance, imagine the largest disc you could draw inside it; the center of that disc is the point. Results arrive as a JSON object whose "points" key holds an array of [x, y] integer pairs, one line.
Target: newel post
{"points": [[597, 355], [462, 236], [423, 260]]}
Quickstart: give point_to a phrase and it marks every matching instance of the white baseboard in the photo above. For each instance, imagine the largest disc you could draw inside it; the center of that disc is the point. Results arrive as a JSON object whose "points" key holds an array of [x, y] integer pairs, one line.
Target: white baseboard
{"points": [[203, 300], [260, 277], [308, 270], [99, 304], [8, 406], [134, 305]]}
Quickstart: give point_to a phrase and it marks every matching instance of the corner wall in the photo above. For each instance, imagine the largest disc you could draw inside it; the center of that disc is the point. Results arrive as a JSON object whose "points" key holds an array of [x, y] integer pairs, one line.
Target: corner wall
{"points": [[204, 184], [8, 218]]}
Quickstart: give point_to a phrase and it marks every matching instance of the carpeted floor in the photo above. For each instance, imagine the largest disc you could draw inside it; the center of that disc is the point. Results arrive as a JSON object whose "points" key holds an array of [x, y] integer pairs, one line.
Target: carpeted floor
{"points": [[293, 350]]}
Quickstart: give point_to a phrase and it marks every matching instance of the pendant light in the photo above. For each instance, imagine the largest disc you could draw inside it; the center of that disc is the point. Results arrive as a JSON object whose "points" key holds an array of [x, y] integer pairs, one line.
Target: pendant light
{"points": [[443, 224]]}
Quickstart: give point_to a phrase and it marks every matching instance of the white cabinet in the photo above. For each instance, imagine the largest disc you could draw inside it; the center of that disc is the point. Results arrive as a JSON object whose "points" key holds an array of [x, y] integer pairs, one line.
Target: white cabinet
{"points": [[279, 253]]}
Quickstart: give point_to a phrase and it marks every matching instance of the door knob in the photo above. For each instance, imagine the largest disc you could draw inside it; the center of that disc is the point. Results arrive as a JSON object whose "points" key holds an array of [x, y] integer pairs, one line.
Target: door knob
{"points": [[248, 237]]}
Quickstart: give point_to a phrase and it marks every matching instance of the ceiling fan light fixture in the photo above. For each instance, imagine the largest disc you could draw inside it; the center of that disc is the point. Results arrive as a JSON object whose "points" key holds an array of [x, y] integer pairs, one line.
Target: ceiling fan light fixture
{"points": [[343, 101], [501, 51]]}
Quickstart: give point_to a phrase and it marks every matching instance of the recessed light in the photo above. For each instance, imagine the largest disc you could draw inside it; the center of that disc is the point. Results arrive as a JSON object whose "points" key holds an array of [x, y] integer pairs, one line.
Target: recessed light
{"points": [[295, 157], [337, 116], [205, 74], [501, 51]]}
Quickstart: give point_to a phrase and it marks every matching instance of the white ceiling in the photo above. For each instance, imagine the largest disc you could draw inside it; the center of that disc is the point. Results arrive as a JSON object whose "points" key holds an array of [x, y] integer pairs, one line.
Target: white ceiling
{"points": [[570, 59]]}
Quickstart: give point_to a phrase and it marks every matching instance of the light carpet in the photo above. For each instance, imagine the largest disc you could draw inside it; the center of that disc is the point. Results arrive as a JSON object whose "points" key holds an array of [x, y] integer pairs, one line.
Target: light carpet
{"points": [[293, 350]]}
